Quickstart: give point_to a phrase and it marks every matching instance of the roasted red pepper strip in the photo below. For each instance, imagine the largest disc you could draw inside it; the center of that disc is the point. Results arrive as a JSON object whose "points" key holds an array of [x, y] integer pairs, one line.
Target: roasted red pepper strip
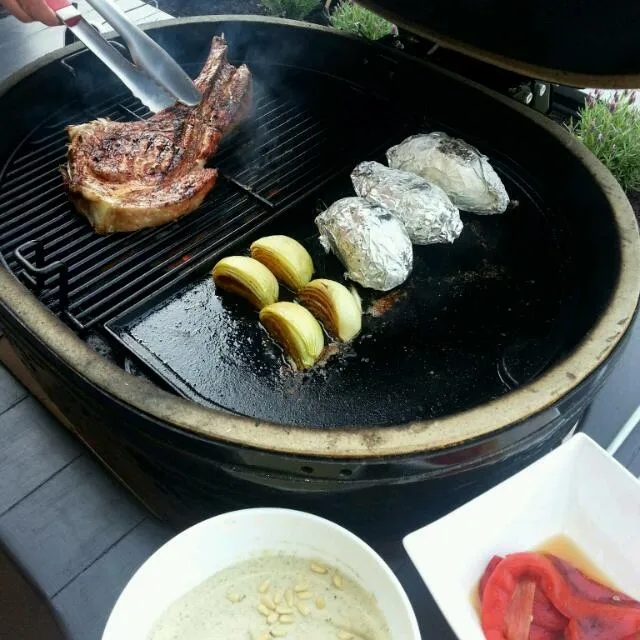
{"points": [[546, 616], [548, 623], [586, 587], [593, 611], [493, 563]]}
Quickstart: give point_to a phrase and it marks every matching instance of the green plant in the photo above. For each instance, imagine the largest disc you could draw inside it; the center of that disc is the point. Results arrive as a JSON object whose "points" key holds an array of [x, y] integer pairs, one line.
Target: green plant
{"points": [[610, 128], [293, 9], [351, 17]]}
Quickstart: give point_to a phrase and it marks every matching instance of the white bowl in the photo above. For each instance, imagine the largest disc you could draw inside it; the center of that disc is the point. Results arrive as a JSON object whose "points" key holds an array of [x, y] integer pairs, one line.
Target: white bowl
{"points": [[215, 544], [578, 490]]}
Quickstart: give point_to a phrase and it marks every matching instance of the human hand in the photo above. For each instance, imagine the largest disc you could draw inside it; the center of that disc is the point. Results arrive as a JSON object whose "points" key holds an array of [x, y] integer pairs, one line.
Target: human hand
{"points": [[31, 10]]}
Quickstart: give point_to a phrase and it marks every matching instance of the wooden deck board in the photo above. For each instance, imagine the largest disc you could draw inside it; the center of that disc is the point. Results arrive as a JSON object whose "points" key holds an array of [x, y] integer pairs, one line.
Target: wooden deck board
{"points": [[24, 613], [32, 450], [62, 527], [11, 391], [630, 452], [85, 603], [618, 399]]}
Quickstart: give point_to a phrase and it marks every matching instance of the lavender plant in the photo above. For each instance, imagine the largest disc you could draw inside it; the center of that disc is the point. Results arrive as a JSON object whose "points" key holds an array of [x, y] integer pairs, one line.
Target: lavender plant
{"points": [[610, 128], [292, 9], [351, 17]]}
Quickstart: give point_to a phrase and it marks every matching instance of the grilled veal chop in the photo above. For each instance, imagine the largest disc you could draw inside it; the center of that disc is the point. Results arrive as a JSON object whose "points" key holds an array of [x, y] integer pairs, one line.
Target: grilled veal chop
{"points": [[125, 176]]}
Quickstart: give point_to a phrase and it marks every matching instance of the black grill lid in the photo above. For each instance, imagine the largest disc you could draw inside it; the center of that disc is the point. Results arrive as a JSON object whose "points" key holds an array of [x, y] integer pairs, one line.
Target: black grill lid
{"points": [[584, 43]]}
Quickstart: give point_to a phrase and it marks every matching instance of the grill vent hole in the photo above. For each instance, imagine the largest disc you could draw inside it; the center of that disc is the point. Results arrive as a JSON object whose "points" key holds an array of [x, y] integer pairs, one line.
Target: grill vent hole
{"points": [[307, 470], [346, 473]]}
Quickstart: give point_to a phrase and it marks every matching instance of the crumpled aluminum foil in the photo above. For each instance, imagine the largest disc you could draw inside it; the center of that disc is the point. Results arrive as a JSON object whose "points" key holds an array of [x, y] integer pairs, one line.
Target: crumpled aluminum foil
{"points": [[370, 242], [423, 208], [458, 168]]}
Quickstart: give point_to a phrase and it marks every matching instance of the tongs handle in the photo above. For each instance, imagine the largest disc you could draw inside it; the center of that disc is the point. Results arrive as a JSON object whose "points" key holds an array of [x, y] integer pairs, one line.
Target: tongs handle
{"points": [[148, 55]]}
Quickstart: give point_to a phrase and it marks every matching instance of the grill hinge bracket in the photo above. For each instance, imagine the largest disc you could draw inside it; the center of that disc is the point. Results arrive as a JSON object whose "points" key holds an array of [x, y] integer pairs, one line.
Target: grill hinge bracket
{"points": [[533, 93]]}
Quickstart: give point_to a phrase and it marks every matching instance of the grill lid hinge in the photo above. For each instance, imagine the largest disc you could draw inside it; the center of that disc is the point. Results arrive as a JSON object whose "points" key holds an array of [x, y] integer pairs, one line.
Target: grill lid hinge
{"points": [[533, 93]]}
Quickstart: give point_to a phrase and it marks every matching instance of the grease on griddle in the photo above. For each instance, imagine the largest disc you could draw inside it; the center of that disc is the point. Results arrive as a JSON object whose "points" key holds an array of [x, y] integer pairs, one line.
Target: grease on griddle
{"points": [[332, 350], [382, 305]]}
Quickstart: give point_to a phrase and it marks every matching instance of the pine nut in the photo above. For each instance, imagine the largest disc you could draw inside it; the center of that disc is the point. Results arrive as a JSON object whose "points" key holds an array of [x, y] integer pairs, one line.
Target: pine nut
{"points": [[302, 608], [305, 595], [320, 603], [288, 596], [277, 598], [337, 581], [268, 602], [273, 618], [263, 587], [279, 632], [264, 611], [301, 587], [318, 568], [235, 597], [345, 635], [283, 609], [286, 619], [265, 636]]}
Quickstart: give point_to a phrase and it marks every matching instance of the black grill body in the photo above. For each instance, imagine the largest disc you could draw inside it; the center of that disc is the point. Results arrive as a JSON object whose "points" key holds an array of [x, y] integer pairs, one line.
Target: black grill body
{"points": [[323, 103]]}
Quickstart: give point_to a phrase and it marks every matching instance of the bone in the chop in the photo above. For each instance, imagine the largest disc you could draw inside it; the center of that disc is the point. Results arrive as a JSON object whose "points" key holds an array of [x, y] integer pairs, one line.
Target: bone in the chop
{"points": [[125, 176]]}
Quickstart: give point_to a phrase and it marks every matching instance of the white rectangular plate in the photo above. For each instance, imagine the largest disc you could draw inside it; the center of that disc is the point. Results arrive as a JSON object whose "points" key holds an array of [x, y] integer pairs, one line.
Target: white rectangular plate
{"points": [[578, 490]]}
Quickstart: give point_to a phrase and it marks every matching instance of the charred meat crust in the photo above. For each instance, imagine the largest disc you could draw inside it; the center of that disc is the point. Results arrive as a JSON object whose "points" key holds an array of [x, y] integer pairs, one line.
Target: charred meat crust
{"points": [[125, 176]]}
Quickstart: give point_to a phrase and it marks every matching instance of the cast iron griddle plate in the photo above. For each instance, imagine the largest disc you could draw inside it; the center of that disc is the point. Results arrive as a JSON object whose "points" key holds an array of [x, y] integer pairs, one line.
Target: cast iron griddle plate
{"points": [[476, 318]]}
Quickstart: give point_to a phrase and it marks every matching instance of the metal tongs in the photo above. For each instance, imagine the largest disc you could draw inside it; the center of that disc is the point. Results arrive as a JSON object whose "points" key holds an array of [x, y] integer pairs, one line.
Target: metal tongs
{"points": [[155, 78]]}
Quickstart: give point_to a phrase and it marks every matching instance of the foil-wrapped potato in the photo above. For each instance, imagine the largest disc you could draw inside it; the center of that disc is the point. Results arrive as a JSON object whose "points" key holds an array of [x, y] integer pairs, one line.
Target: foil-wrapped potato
{"points": [[424, 208], [458, 168], [371, 242]]}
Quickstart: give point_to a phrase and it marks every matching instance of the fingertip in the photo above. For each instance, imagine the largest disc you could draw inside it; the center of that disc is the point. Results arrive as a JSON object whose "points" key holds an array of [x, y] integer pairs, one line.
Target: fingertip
{"points": [[49, 16], [40, 10], [46, 15], [16, 10]]}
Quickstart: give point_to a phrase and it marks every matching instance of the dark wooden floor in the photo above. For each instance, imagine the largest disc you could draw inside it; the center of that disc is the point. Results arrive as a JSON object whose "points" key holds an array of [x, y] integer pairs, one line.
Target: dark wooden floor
{"points": [[24, 612], [617, 402], [75, 532]]}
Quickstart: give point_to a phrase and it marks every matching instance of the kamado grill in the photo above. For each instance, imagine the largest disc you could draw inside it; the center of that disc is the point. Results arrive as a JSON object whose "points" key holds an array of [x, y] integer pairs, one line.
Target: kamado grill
{"points": [[481, 363]]}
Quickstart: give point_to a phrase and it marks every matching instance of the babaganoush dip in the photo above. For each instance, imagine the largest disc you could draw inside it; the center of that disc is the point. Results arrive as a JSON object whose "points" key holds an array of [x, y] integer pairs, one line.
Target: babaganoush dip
{"points": [[275, 596]]}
